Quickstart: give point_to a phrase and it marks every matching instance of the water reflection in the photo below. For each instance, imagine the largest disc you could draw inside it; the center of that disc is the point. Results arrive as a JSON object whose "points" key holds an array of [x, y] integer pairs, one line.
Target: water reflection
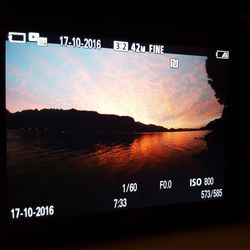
{"points": [[113, 153], [79, 172], [150, 150]]}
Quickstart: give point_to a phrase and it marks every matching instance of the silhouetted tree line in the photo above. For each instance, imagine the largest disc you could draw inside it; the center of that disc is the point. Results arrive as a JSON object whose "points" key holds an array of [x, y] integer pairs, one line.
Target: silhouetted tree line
{"points": [[217, 71], [58, 119]]}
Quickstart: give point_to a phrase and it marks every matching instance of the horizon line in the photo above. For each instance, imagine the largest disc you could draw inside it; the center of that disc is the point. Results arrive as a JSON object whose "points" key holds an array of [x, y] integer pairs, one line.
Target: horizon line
{"points": [[189, 128]]}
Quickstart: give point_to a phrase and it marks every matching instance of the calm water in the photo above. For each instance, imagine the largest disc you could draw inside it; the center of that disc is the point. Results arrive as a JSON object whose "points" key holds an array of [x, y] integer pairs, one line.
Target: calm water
{"points": [[112, 153], [54, 167]]}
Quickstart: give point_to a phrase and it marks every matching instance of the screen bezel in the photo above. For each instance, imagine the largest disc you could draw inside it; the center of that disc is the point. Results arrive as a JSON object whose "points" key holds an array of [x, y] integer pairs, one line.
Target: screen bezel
{"points": [[126, 221]]}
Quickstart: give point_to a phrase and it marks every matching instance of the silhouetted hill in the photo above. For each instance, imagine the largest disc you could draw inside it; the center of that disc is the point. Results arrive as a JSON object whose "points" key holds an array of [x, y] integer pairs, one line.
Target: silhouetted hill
{"points": [[72, 119], [214, 124], [58, 119], [8, 112], [141, 127], [184, 129]]}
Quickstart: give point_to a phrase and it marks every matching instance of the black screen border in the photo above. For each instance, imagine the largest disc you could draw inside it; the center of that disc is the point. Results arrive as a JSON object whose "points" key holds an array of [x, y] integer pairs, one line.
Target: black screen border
{"points": [[109, 224]]}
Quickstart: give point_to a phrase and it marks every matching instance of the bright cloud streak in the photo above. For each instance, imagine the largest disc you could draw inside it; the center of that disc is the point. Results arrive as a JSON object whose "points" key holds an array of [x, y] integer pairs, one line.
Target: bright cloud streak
{"points": [[138, 85]]}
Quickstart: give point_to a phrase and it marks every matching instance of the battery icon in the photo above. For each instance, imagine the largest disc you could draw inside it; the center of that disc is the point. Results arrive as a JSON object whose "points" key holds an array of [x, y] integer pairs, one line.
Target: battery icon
{"points": [[17, 37], [222, 54]]}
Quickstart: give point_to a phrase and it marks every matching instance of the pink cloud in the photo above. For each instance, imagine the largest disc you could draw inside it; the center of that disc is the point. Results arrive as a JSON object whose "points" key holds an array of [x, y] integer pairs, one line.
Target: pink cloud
{"points": [[138, 85]]}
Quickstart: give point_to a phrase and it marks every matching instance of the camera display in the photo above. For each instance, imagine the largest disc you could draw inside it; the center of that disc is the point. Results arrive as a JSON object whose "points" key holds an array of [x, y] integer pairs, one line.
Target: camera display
{"points": [[97, 125]]}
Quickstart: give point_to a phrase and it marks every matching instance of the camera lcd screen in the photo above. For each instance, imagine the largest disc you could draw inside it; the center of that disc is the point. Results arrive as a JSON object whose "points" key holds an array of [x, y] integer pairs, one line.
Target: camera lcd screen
{"points": [[102, 125]]}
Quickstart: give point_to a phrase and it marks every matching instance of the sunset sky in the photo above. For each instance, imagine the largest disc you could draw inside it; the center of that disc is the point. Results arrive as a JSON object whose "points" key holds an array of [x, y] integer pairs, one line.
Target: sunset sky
{"points": [[140, 85]]}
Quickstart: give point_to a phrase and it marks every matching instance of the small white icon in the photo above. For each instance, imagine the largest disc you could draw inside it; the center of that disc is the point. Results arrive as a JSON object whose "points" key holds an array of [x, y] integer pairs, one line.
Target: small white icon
{"points": [[222, 54], [33, 36], [120, 45], [17, 37], [42, 41], [174, 63]]}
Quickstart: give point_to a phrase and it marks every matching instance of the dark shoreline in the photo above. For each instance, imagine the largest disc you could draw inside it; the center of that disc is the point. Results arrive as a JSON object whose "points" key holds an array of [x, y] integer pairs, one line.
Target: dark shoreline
{"points": [[82, 132], [82, 121]]}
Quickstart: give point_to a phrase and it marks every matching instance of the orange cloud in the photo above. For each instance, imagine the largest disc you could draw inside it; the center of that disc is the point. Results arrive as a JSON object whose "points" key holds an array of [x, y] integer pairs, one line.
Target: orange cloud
{"points": [[140, 85]]}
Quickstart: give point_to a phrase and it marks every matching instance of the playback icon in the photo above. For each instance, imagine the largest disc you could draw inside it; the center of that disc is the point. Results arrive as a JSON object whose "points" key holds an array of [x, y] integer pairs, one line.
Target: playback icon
{"points": [[35, 37]]}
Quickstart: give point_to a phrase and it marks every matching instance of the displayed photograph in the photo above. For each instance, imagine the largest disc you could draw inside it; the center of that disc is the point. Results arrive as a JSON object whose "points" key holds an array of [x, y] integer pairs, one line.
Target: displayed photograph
{"points": [[83, 124]]}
